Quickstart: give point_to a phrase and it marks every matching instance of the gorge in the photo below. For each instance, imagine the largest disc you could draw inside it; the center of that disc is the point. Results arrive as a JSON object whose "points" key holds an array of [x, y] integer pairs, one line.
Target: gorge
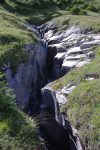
{"points": [[56, 53]]}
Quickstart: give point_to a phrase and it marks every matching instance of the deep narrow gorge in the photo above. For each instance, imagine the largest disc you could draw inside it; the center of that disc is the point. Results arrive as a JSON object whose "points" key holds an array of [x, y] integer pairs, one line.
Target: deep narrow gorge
{"points": [[55, 54]]}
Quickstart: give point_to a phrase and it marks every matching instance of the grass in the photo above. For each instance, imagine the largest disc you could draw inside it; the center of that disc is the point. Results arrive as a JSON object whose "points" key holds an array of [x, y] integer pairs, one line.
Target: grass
{"points": [[83, 111], [31, 11], [17, 131], [13, 39], [91, 20], [77, 75], [83, 107]]}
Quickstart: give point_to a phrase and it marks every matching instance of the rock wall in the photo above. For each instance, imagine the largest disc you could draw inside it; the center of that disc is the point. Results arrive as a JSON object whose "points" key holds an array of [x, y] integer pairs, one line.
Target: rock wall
{"points": [[72, 47], [29, 79]]}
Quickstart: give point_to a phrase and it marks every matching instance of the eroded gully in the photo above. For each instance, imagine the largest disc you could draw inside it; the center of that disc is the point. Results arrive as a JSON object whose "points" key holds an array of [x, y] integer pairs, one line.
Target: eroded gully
{"points": [[50, 58]]}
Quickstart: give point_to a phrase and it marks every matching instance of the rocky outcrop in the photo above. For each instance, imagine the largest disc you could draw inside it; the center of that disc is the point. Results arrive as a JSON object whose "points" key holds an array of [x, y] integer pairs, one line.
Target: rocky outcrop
{"points": [[57, 131], [74, 48], [29, 79]]}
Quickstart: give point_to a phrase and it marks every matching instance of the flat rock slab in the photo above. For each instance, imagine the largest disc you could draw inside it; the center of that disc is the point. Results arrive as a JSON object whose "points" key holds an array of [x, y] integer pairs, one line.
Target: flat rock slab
{"points": [[60, 55]]}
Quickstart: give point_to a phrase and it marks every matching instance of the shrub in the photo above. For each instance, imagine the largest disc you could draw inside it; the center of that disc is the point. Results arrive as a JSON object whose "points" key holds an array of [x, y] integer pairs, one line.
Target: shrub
{"points": [[92, 7], [82, 12], [77, 11]]}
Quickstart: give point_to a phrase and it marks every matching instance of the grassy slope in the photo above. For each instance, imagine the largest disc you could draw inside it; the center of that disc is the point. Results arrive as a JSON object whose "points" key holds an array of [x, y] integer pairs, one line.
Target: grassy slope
{"points": [[91, 20], [13, 38], [17, 131], [83, 107], [14, 125]]}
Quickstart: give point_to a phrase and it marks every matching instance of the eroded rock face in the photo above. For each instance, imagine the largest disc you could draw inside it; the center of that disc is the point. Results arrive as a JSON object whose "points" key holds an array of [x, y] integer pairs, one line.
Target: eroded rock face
{"points": [[57, 131], [29, 79], [74, 48]]}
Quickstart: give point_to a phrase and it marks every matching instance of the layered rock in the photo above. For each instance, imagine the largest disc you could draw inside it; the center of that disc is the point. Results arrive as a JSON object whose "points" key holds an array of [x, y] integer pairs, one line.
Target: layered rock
{"points": [[57, 130], [74, 48], [69, 49]]}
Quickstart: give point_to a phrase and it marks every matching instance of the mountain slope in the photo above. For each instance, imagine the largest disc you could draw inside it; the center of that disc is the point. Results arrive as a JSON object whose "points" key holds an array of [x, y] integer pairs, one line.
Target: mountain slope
{"points": [[17, 131]]}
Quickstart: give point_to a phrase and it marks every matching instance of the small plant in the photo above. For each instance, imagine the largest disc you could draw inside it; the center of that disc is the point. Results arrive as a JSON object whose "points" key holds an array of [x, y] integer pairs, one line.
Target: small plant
{"points": [[77, 11], [91, 7]]}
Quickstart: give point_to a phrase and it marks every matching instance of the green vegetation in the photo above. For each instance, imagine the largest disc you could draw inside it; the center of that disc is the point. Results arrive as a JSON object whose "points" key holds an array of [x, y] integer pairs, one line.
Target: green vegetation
{"points": [[83, 107], [77, 75], [80, 7], [89, 21], [13, 39], [83, 111], [17, 131]]}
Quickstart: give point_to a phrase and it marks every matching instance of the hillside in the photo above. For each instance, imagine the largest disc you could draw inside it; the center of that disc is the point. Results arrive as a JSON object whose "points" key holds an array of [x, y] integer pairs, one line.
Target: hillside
{"points": [[27, 30], [83, 106], [17, 131]]}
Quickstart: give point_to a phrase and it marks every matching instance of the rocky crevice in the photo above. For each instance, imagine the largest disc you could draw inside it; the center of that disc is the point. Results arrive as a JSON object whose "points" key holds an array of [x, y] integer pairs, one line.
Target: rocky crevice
{"points": [[55, 54]]}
